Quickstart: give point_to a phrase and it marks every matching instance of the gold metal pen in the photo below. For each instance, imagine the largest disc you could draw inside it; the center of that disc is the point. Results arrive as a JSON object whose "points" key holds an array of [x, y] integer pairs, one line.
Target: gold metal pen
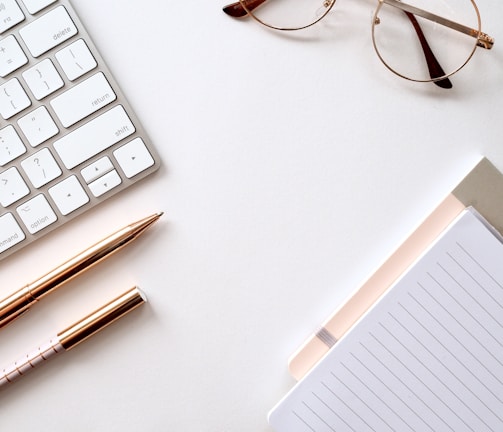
{"points": [[20, 302], [73, 335]]}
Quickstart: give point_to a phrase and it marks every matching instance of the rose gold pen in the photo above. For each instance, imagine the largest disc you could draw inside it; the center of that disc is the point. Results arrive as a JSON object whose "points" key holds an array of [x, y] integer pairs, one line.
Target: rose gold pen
{"points": [[20, 302], [73, 335]]}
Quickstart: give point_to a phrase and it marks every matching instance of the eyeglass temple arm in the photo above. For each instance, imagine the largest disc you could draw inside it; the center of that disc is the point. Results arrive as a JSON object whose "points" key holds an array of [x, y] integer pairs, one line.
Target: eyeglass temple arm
{"points": [[483, 40], [434, 67], [237, 10]]}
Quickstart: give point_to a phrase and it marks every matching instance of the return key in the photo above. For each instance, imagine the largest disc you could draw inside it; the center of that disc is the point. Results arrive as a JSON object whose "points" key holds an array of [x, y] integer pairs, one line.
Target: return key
{"points": [[82, 100]]}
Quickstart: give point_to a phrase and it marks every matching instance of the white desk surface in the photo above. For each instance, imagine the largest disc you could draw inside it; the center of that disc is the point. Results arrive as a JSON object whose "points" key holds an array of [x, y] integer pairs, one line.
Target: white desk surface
{"points": [[292, 167]]}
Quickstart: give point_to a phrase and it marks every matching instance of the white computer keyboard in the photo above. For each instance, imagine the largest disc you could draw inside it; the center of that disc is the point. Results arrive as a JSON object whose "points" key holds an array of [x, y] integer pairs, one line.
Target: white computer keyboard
{"points": [[68, 137]]}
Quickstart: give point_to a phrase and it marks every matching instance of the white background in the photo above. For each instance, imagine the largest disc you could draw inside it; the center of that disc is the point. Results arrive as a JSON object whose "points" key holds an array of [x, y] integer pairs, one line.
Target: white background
{"points": [[292, 166]]}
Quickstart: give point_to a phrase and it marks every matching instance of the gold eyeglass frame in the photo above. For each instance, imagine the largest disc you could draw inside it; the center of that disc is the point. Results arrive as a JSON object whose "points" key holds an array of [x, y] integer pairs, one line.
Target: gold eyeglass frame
{"points": [[243, 8]]}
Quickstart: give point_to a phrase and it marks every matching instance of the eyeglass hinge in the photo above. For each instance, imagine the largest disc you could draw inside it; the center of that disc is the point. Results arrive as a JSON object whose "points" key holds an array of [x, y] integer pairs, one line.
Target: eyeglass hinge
{"points": [[485, 41]]}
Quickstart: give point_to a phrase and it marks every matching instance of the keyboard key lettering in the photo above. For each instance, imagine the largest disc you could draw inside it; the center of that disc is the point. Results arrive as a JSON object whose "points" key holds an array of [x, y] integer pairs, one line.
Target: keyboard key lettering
{"points": [[48, 31], [82, 100], [94, 137]]}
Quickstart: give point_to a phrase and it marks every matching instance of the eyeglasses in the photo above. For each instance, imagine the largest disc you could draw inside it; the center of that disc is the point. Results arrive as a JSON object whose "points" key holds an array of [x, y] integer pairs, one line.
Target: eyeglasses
{"points": [[405, 36]]}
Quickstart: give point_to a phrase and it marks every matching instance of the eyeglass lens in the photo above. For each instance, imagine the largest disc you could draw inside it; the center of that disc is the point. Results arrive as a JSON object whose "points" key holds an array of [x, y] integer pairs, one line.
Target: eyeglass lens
{"points": [[401, 38]]}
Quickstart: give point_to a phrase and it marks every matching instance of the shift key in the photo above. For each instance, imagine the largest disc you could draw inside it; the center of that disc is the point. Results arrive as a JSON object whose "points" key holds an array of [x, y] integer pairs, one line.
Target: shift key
{"points": [[94, 137]]}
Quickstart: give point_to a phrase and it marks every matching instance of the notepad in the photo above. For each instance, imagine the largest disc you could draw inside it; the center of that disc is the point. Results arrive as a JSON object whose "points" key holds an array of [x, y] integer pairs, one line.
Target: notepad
{"points": [[481, 188], [428, 356]]}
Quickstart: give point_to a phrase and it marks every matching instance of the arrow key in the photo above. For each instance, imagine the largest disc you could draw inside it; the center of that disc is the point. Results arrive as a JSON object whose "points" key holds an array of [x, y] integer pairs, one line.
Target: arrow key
{"points": [[97, 169], [68, 195], [105, 183], [134, 157]]}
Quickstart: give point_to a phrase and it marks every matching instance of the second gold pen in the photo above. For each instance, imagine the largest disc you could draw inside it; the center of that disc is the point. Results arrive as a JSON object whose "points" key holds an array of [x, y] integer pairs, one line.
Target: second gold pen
{"points": [[20, 302]]}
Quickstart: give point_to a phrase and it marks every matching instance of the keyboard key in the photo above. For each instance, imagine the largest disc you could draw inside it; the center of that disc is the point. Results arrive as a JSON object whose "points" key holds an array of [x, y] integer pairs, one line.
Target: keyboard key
{"points": [[13, 99], [35, 6], [68, 195], [76, 60], [133, 157], [82, 100], [97, 169], [36, 214], [11, 145], [105, 183], [43, 79], [94, 137], [10, 232], [41, 168], [48, 31], [12, 56], [38, 126], [12, 187], [10, 15]]}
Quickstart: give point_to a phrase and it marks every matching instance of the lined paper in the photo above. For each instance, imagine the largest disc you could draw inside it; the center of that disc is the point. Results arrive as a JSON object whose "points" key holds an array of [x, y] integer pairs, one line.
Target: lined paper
{"points": [[427, 357]]}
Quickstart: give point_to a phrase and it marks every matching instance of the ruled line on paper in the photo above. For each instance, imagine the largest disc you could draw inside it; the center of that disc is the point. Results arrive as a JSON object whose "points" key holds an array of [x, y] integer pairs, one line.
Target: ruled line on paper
{"points": [[467, 369], [438, 379], [458, 303], [334, 413], [363, 401], [462, 326], [422, 382], [345, 404], [485, 271], [479, 284], [411, 391], [474, 299], [454, 337], [411, 409], [300, 418], [374, 393]]}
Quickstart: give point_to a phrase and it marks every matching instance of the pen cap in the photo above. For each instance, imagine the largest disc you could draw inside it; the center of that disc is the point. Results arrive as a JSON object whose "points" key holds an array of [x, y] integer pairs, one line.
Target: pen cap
{"points": [[101, 318]]}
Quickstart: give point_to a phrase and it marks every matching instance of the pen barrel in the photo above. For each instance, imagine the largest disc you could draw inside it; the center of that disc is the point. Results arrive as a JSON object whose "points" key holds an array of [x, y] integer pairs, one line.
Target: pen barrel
{"points": [[15, 305], [30, 361], [80, 263], [101, 318]]}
